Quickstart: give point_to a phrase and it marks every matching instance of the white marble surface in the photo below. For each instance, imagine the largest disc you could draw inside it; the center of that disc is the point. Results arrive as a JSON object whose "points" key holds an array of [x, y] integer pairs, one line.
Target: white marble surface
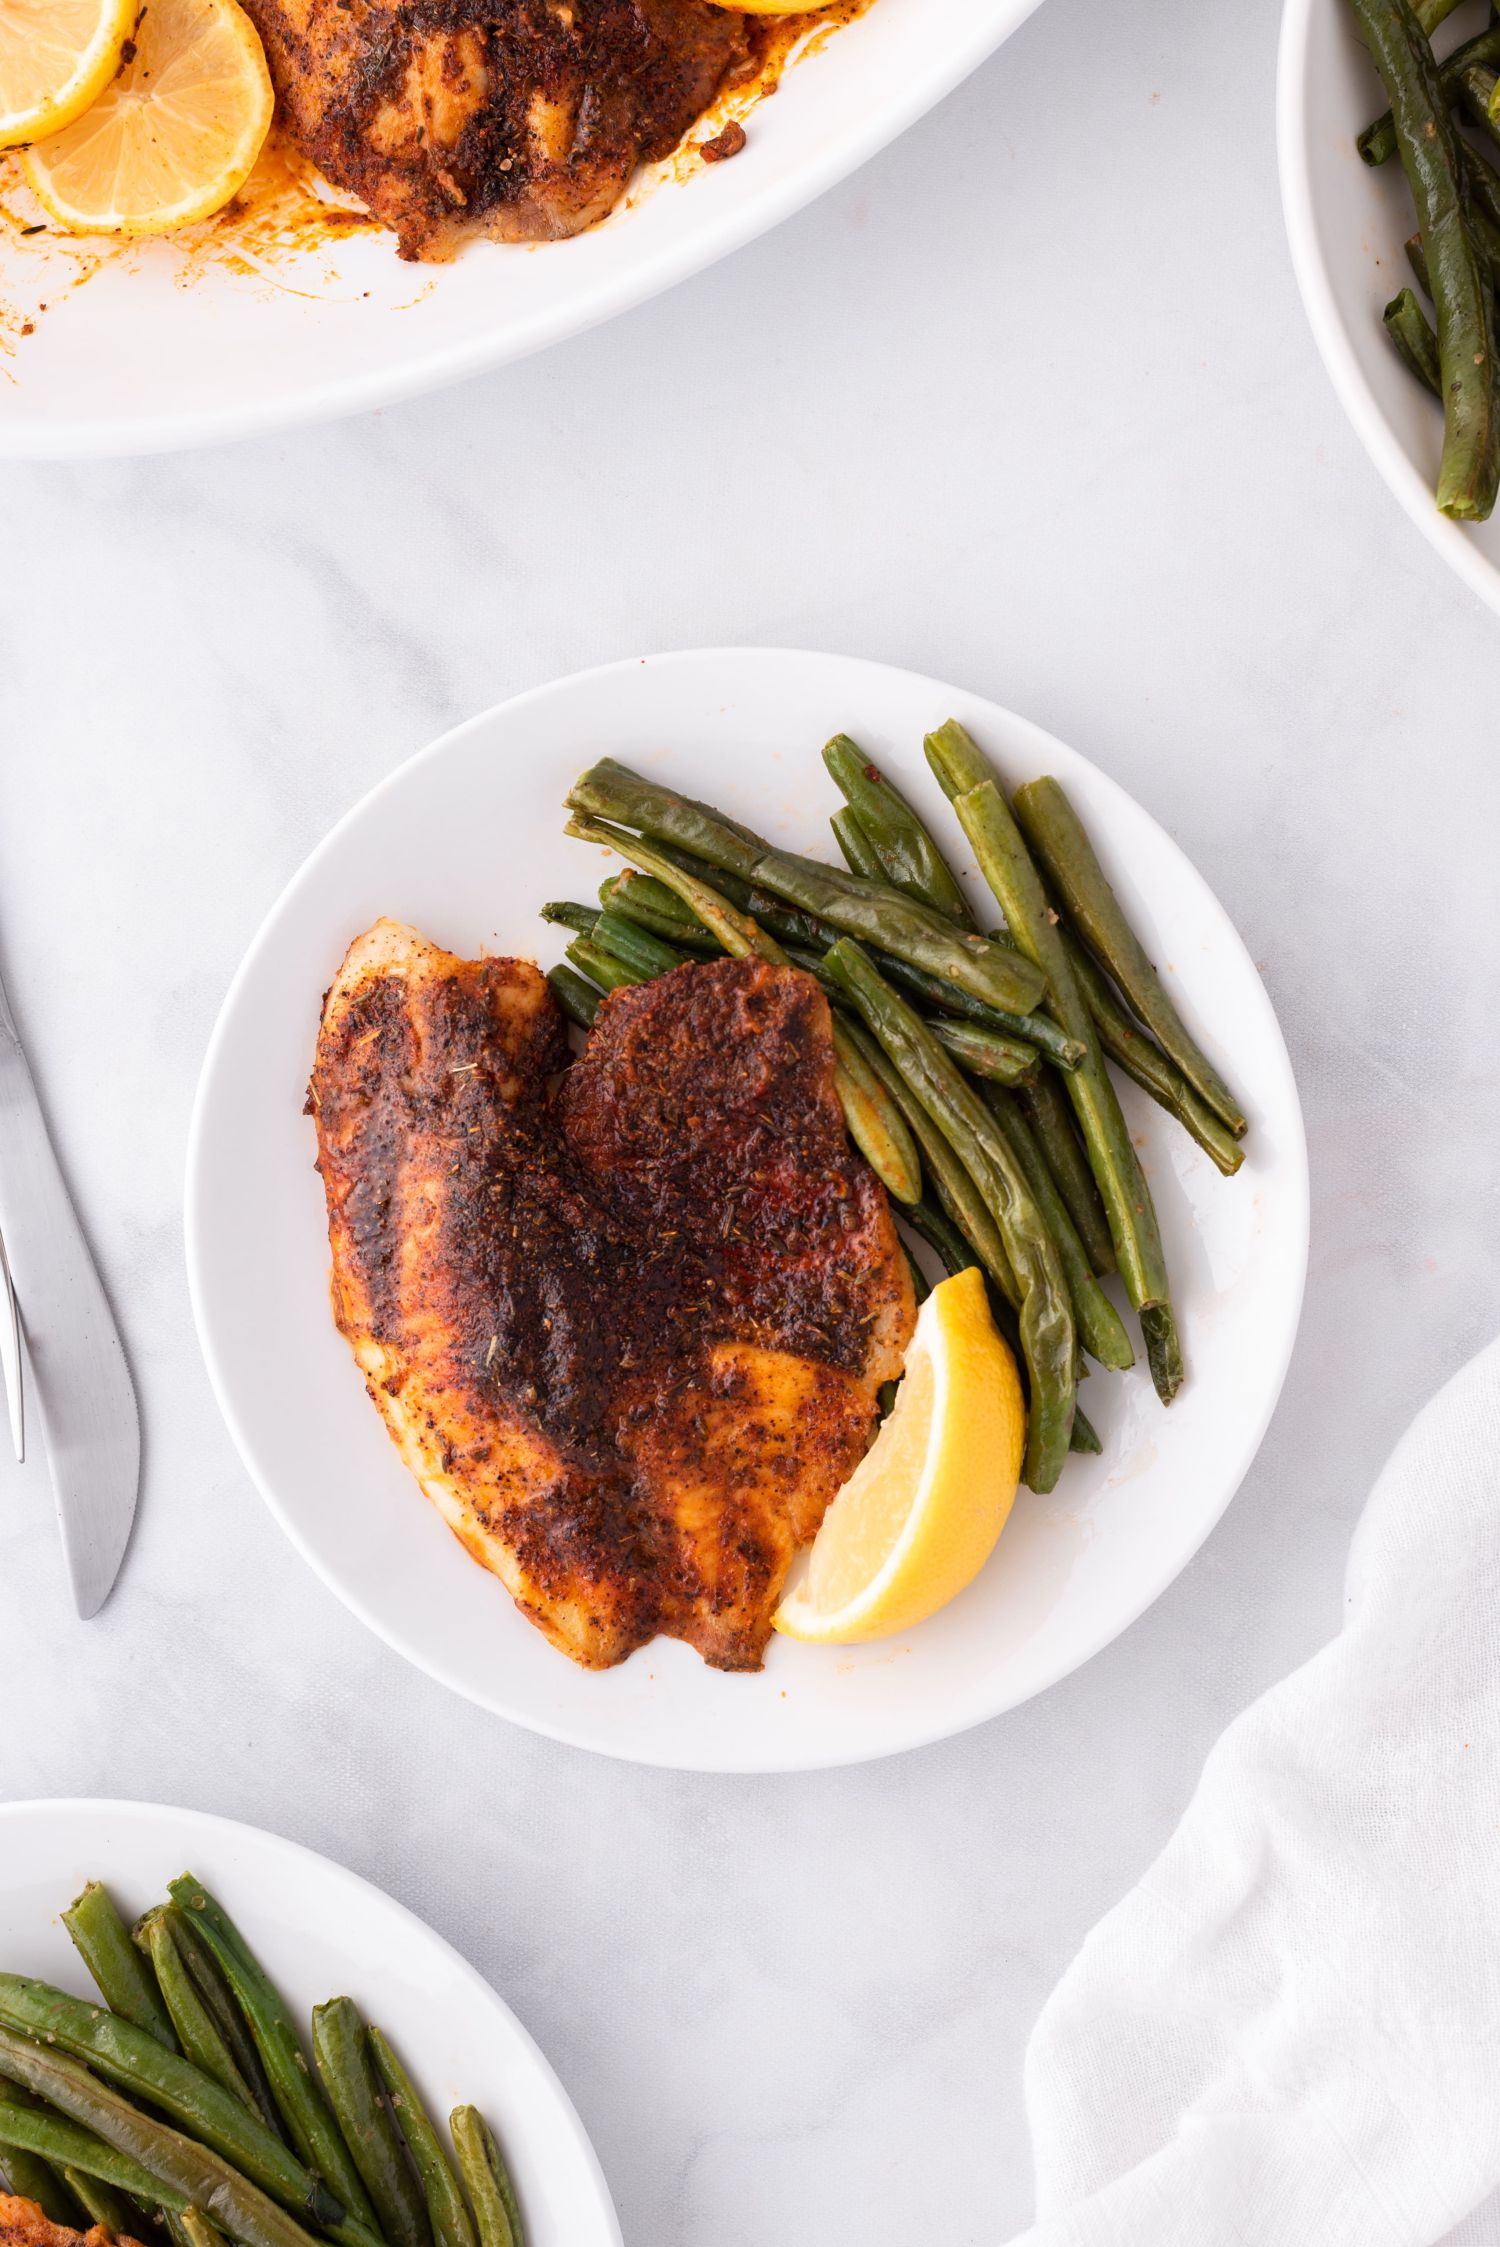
{"points": [[1029, 403]]}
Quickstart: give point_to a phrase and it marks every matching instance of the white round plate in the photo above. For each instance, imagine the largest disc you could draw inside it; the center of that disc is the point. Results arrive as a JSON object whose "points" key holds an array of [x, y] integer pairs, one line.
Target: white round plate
{"points": [[320, 1932], [1347, 225], [466, 842], [154, 345]]}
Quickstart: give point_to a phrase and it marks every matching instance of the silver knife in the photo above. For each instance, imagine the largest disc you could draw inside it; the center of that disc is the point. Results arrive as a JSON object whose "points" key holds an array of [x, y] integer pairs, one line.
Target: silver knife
{"points": [[80, 1384]]}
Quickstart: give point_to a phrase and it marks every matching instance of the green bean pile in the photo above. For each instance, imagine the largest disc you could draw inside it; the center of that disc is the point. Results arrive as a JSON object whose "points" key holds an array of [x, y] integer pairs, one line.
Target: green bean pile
{"points": [[185, 2108], [971, 1066], [1455, 252]]}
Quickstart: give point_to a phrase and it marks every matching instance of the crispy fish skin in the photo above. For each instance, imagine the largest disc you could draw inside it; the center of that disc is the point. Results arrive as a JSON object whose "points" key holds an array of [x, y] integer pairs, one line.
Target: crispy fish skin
{"points": [[625, 1320]]}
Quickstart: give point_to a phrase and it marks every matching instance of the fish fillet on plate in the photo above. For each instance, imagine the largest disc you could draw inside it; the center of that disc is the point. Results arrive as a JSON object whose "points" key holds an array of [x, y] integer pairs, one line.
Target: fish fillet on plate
{"points": [[626, 1317], [522, 119]]}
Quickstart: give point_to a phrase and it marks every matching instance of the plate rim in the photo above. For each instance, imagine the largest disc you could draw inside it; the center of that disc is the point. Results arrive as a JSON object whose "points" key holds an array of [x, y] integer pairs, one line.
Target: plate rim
{"points": [[1297, 1186], [213, 1821], [712, 239], [1330, 334]]}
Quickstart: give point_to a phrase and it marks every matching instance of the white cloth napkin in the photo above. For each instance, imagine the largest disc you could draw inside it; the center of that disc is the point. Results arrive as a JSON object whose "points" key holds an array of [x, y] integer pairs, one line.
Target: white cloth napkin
{"points": [[1288, 2035]]}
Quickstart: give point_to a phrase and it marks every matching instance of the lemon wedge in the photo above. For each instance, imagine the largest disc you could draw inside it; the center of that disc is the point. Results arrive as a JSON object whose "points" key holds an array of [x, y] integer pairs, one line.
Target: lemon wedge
{"points": [[175, 134], [56, 56], [919, 1516]]}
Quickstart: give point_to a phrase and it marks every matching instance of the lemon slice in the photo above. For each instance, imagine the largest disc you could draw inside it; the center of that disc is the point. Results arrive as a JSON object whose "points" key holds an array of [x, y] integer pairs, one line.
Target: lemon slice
{"points": [[919, 1516], [55, 57], [173, 137]]}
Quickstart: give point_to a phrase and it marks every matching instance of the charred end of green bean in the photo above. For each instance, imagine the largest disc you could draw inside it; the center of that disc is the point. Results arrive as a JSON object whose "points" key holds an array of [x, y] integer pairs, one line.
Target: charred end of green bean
{"points": [[579, 1000], [1410, 332]]}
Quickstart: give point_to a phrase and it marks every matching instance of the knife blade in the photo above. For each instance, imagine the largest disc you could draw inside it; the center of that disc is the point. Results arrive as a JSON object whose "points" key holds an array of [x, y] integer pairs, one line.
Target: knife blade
{"points": [[80, 1384]]}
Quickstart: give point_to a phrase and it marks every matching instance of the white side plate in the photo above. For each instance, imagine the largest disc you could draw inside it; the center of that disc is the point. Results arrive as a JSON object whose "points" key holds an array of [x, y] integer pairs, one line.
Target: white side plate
{"points": [[147, 346], [320, 1932], [466, 841]]}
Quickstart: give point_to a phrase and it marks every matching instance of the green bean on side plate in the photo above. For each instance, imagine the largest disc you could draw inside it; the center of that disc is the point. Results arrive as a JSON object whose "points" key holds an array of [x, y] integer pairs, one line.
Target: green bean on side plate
{"points": [[446, 2213], [131, 2059], [176, 2169], [101, 2123], [346, 2071], [492, 2196], [198, 2033], [124, 1978], [306, 2113]]}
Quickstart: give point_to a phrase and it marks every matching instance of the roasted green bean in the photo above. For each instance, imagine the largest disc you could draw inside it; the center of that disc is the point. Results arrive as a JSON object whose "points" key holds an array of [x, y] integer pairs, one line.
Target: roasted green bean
{"points": [[1085, 1437], [492, 2196], [133, 2059], [177, 2170], [1476, 86], [198, 2033], [1048, 1110], [875, 1124], [352, 2089], [625, 940], [581, 919], [1003, 859], [203, 1971], [31, 2176], [805, 930], [1100, 1327], [196, 2229], [987, 1053], [609, 974], [123, 1976], [958, 1255], [955, 758], [313, 2130], [1427, 143], [579, 1000], [1067, 857], [858, 850], [902, 849], [1377, 143], [950, 1181], [1126, 1043], [858, 908], [446, 2212], [1048, 1336], [104, 2205], [652, 905], [36, 2142]]}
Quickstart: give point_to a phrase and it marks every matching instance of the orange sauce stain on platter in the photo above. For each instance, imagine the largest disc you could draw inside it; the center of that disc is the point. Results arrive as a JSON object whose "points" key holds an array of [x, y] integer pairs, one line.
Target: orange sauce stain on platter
{"points": [[281, 234]]}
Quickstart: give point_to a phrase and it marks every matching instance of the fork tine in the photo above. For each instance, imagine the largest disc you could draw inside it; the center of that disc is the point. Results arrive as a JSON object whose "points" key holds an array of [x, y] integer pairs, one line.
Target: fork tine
{"points": [[10, 1357]]}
